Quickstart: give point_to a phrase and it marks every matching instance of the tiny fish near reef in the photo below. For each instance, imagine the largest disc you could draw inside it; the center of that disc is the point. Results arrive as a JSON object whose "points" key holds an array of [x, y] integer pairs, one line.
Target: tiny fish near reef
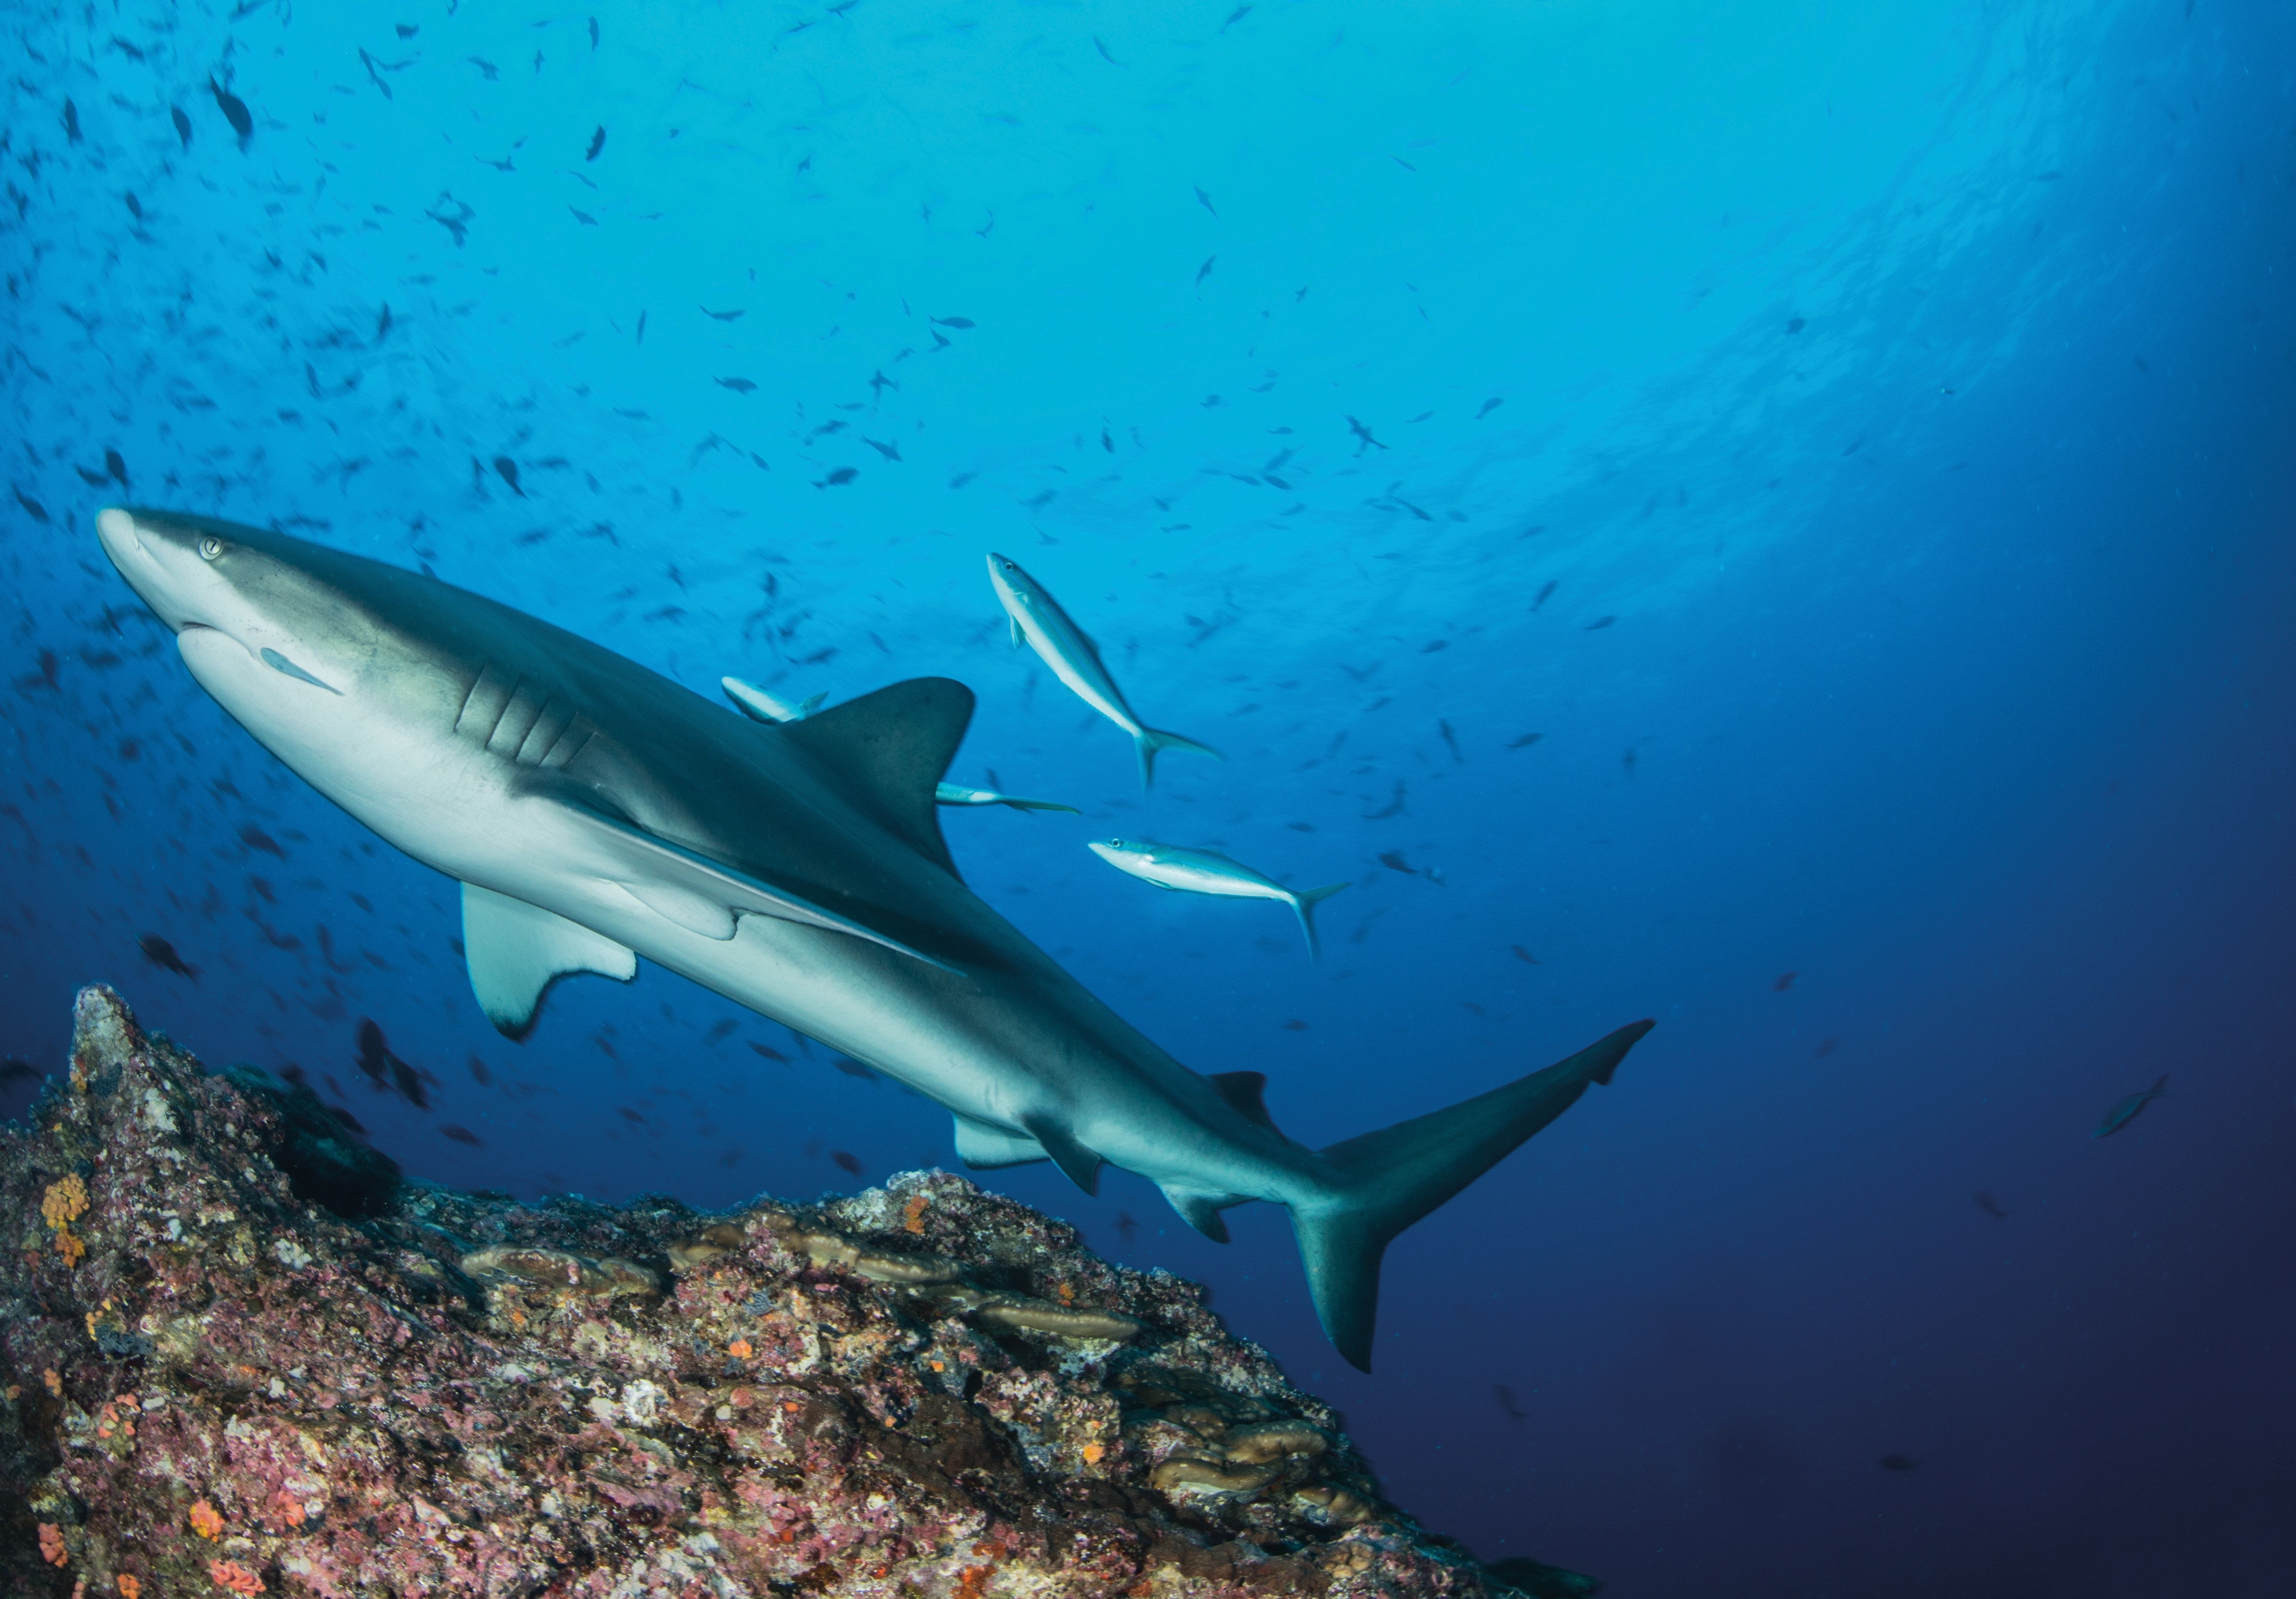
{"points": [[899, 1392], [594, 810]]}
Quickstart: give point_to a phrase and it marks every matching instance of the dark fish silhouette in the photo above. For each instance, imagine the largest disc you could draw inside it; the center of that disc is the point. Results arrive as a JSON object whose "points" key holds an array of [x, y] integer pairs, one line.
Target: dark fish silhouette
{"points": [[182, 125], [479, 1072], [2126, 1111], [1363, 433], [507, 470], [1599, 623], [32, 507], [959, 322], [1489, 405], [72, 122], [598, 142], [460, 1134], [1205, 270], [1392, 807], [1125, 1224], [1525, 956], [1826, 1047], [117, 465], [374, 1057], [1525, 742], [1897, 1463], [15, 1068], [770, 1052], [233, 108], [849, 1164], [162, 955], [1508, 1408], [738, 385], [843, 474], [1449, 738], [1392, 860], [853, 1068], [1991, 1206], [735, 315], [410, 1085], [255, 838], [1785, 980]]}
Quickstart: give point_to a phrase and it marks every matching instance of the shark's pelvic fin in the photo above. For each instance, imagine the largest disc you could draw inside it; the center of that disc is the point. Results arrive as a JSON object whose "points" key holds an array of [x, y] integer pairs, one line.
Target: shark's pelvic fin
{"points": [[1079, 1164], [889, 750], [984, 1148], [1202, 1210], [1389, 1179], [704, 895], [517, 950], [1243, 1090]]}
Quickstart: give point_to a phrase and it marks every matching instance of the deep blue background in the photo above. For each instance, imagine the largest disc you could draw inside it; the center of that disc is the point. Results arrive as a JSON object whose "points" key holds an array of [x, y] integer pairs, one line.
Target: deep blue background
{"points": [[1912, 384]]}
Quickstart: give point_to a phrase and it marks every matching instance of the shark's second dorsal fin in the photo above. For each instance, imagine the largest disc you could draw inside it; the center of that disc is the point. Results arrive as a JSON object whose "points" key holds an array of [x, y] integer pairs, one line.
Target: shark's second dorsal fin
{"points": [[890, 750], [1243, 1090]]}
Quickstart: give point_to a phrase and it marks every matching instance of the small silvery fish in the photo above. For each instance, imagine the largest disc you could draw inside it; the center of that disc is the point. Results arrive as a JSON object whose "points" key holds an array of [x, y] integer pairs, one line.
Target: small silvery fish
{"points": [[1038, 621], [951, 793], [1209, 871], [2125, 1112], [760, 706]]}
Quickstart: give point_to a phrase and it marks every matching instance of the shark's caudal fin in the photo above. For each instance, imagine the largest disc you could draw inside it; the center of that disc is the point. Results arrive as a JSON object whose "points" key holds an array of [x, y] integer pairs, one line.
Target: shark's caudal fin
{"points": [[1389, 1179], [1305, 903], [1151, 743]]}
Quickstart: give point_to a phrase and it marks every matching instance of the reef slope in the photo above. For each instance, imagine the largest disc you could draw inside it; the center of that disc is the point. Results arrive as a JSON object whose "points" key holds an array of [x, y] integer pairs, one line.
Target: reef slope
{"points": [[241, 1355]]}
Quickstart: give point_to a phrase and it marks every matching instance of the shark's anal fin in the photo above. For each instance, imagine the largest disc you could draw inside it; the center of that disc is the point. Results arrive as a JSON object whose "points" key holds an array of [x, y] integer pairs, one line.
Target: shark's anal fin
{"points": [[985, 1148], [1203, 1210], [1079, 1164], [889, 750], [517, 950], [1243, 1090]]}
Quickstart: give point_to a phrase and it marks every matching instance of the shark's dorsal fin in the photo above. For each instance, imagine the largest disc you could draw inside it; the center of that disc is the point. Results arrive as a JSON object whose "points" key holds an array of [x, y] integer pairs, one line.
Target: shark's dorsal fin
{"points": [[890, 750], [517, 950], [1243, 1090]]}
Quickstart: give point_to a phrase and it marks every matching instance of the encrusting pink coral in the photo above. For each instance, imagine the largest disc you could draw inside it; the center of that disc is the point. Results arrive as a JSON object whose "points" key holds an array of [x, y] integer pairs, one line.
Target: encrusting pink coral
{"points": [[272, 1376]]}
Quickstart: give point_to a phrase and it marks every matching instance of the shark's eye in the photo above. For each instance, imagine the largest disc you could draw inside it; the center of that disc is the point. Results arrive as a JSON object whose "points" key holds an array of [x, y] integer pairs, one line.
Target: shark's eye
{"points": [[1116, 843], [210, 547]]}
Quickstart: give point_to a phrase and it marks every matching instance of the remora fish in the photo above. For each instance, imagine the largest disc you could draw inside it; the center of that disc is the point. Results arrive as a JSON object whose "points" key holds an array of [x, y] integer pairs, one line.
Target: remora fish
{"points": [[953, 793], [760, 706], [2125, 1112], [1038, 621], [594, 810], [1209, 871]]}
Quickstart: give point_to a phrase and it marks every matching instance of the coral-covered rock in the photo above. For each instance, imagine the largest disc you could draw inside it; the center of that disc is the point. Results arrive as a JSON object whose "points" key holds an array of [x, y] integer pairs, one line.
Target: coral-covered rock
{"points": [[241, 1355]]}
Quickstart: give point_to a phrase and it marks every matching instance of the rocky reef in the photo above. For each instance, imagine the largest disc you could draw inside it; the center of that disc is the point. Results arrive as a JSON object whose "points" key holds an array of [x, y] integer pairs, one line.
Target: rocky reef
{"points": [[242, 1355]]}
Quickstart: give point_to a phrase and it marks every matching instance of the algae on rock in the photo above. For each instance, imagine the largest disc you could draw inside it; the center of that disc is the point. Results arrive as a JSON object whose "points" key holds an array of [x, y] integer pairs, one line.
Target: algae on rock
{"points": [[270, 1365]]}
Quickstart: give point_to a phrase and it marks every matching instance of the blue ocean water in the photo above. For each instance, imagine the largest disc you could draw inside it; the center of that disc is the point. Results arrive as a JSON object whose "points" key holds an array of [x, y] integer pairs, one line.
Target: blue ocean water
{"points": [[1774, 518]]}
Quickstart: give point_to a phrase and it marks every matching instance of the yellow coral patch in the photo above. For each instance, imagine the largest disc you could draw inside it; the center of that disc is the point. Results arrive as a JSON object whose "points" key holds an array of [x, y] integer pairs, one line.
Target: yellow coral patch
{"points": [[206, 1519], [130, 1589], [913, 1214], [64, 1201], [740, 1348], [70, 1247]]}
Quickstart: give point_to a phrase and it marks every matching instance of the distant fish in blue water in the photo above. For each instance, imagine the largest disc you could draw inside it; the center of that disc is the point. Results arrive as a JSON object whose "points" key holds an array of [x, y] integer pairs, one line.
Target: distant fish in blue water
{"points": [[182, 125], [2126, 1111], [1991, 1206], [233, 108], [1525, 742], [597, 144], [1504, 1397], [1037, 621], [1785, 980], [162, 955], [1209, 871], [955, 793]]}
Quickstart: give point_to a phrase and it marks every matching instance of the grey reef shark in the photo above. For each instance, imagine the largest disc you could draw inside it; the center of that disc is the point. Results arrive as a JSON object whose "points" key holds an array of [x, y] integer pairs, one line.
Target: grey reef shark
{"points": [[595, 811]]}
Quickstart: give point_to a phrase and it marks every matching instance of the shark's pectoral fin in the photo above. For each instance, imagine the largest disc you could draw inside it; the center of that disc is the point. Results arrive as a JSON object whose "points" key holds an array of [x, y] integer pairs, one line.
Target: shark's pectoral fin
{"points": [[1018, 638], [1243, 1090], [517, 950], [704, 895], [1203, 1210], [984, 1147], [1078, 1163], [889, 752]]}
